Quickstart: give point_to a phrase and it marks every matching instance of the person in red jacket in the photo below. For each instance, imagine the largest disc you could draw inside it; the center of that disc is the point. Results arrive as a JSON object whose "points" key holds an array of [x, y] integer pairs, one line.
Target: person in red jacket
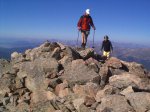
{"points": [[84, 24]]}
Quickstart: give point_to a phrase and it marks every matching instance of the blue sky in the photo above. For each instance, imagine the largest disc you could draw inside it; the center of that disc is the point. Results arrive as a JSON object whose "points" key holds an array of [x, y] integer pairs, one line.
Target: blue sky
{"points": [[121, 20]]}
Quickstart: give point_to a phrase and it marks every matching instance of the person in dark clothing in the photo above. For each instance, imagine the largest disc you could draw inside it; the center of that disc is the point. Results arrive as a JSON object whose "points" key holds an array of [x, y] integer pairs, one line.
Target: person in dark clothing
{"points": [[107, 47], [84, 24]]}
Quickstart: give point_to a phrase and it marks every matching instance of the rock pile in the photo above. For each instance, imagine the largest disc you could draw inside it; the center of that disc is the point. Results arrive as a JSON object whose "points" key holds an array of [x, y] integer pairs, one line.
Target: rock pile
{"points": [[58, 78]]}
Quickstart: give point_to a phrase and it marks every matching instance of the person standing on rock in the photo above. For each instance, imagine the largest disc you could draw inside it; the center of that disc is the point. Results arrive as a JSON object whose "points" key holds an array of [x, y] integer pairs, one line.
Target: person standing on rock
{"points": [[84, 24], [107, 47]]}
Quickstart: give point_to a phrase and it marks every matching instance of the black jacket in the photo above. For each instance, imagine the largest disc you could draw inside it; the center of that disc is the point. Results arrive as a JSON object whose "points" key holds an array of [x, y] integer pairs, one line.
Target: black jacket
{"points": [[107, 46]]}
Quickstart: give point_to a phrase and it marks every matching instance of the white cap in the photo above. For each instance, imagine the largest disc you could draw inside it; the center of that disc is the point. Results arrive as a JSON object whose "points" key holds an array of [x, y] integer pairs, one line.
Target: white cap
{"points": [[87, 11]]}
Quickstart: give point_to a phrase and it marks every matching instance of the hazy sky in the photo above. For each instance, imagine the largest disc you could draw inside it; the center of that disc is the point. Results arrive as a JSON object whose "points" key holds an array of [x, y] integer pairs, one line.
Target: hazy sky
{"points": [[121, 20]]}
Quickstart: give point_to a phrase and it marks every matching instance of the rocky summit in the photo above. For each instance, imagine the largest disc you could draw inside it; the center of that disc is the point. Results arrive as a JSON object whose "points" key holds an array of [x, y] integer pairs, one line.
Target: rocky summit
{"points": [[58, 78]]}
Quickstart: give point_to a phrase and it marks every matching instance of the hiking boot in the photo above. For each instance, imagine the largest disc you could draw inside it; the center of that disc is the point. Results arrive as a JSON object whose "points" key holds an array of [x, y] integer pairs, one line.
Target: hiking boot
{"points": [[82, 45]]}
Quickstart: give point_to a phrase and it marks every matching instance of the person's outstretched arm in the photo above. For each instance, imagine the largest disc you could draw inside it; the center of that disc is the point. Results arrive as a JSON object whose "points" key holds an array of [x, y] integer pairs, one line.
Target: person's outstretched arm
{"points": [[91, 23]]}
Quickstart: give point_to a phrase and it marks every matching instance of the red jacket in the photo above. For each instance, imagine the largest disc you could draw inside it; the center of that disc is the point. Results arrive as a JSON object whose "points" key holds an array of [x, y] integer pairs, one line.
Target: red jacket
{"points": [[85, 22]]}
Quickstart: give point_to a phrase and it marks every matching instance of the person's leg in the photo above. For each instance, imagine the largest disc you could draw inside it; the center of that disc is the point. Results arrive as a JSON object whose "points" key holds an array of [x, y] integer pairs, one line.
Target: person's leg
{"points": [[86, 36], [104, 53], [108, 55], [83, 38]]}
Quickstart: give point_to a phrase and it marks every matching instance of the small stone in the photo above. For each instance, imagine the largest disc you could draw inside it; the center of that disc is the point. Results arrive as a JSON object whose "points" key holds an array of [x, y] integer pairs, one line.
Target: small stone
{"points": [[27, 96], [2, 109], [1, 103], [46, 44], [51, 75], [50, 95], [58, 111], [64, 92], [128, 90], [70, 106], [89, 101], [14, 100], [50, 89], [61, 100], [10, 94], [83, 108], [14, 55], [61, 86], [94, 105], [6, 100], [78, 102], [61, 73], [19, 83]]}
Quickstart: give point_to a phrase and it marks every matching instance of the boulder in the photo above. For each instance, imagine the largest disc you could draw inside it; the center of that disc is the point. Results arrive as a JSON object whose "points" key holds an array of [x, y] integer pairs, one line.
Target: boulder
{"points": [[56, 53], [114, 103], [108, 90], [94, 67], [114, 63], [71, 53], [14, 55], [65, 61], [67, 56], [136, 69], [140, 101], [116, 71], [17, 57], [90, 89], [62, 89], [36, 73], [61, 86], [124, 80], [63, 47], [79, 73], [48, 46], [35, 79], [46, 49], [104, 73], [87, 53], [47, 65], [65, 92], [127, 90], [42, 96], [21, 74]]}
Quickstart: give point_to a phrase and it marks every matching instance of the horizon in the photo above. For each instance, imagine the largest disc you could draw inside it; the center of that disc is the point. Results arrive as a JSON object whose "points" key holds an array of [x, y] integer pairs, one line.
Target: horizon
{"points": [[9, 43], [123, 21]]}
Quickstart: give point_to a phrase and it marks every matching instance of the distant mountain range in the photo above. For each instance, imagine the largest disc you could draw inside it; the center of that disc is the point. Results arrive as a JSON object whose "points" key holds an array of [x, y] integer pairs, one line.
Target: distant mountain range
{"points": [[125, 51]]}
